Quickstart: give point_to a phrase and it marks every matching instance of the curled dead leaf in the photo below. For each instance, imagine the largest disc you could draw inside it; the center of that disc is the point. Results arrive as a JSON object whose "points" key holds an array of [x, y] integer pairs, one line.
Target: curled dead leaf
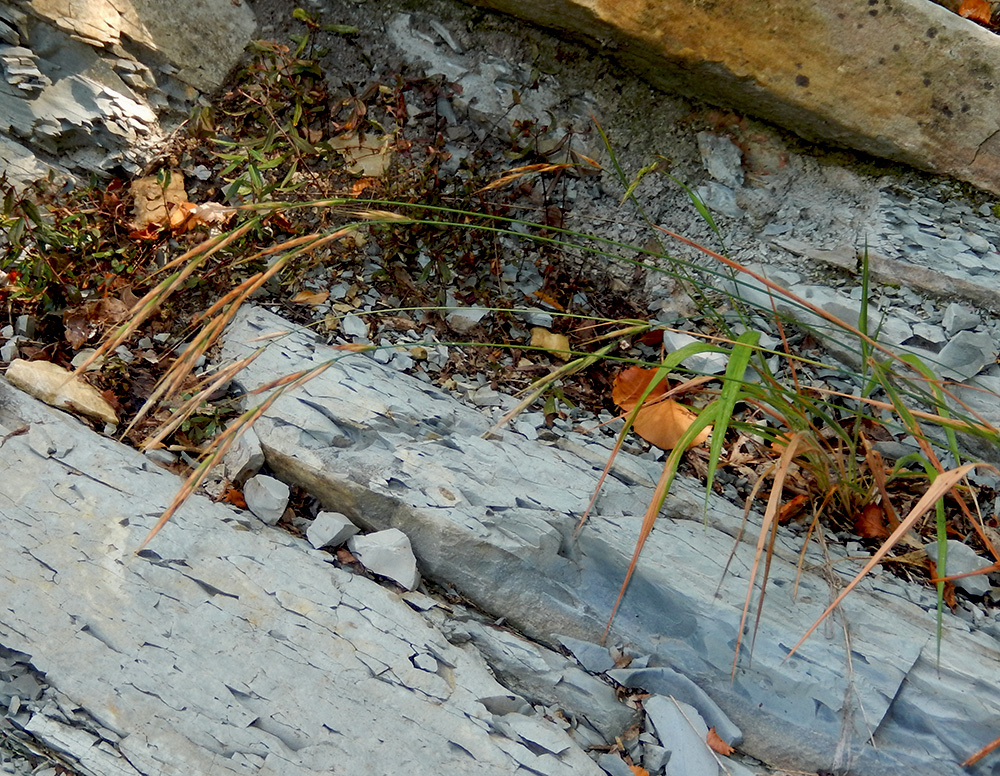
{"points": [[556, 344], [717, 744], [870, 522], [311, 297], [661, 422]]}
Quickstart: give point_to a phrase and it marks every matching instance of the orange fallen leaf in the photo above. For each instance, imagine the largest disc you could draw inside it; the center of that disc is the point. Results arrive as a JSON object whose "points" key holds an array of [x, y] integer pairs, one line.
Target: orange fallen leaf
{"points": [[717, 744], [549, 300], [638, 770], [235, 497], [180, 216], [661, 422], [870, 523], [630, 384], [361, 184], [976, 10], [311, 297], [792, 508]]}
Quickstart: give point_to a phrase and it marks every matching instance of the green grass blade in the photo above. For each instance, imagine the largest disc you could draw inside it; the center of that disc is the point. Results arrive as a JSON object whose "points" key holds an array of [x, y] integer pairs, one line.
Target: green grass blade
{"points": [[732, 391]]}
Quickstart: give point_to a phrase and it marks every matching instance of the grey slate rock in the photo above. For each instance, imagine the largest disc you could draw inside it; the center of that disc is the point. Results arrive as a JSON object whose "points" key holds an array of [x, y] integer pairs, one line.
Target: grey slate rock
{"points": [[482, 516], [266, 497], [722, 158], [546, 677], [330, 529], [961, 559], [222, 637], [465, 319], [702, 363], [244, 459], [957, 318], [614, 765], [387, 553], [354, 327], [965, 355], [412, 459], [681, 729], [76, 101], [654, 758], [593, 657], [667, 682]]}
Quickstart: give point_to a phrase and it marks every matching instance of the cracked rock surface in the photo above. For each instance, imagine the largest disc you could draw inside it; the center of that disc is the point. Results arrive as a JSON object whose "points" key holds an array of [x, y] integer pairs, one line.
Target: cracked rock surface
{"points": [[229, 647], [494, 518]]}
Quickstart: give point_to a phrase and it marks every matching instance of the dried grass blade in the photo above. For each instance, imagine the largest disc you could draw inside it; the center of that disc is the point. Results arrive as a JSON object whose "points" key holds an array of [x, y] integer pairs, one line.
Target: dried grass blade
{"points": [[538, 387], [768, 525], [944, 482], [221, 444]]}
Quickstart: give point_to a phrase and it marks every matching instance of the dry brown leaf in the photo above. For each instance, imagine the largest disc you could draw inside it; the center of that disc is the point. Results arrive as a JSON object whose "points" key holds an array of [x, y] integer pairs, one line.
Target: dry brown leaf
{"points": [[311, 297], [152, 203], [717, 744], [976, 10], [871, 523], [630, 384], [84, 321], [791, 508], [661, 422], [368, 157], [556, 344], [211, 214]]}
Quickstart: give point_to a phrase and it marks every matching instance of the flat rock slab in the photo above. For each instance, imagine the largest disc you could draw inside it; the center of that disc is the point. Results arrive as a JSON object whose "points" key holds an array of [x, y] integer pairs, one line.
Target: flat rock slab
{"points": [[231, 647], [902, 79], [495, 518]]}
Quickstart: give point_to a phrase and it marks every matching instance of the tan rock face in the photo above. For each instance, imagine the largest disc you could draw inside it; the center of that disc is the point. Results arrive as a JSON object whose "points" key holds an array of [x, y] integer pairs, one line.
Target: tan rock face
{"points": [[902, 79]]}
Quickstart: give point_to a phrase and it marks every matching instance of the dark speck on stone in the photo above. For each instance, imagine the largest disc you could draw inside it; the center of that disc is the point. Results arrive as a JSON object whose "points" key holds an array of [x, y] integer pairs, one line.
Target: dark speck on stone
{"points": [[931, 32], [927, 82], [802, 80]]}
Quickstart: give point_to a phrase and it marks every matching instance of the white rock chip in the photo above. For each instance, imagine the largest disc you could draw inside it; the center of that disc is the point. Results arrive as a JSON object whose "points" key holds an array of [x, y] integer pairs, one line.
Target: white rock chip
{"points": [[465, 319], [244, 458], [387, 553], [330, 529], [266, 497]]}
